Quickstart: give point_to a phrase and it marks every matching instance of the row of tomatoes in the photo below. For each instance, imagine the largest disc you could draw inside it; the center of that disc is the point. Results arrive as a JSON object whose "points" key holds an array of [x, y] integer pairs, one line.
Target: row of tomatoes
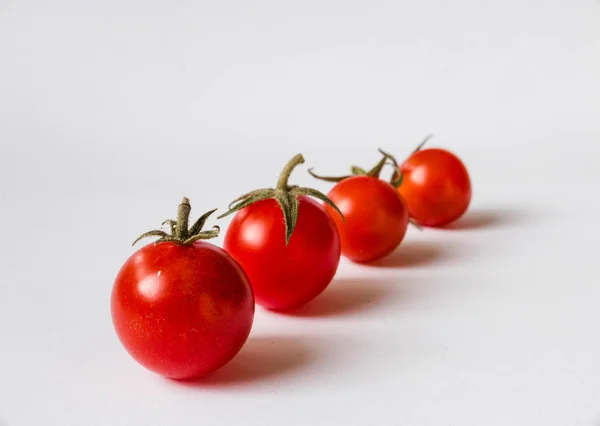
{"points": [[183, 307]]}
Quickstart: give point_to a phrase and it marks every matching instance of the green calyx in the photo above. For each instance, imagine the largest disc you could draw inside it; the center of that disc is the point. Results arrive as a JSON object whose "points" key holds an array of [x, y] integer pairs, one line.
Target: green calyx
{"points": [[422, 144], [397, 176], [286, 196], [375, 172], [387, 159], [179, 231]]}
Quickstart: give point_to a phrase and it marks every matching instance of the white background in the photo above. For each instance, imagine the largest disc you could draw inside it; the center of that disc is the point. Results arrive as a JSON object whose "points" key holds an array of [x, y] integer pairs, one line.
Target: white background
{"points": [[111, 111]]}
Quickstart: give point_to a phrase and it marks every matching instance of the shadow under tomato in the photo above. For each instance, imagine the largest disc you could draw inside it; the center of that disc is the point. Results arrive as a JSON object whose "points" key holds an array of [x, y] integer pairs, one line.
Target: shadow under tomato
{"points": [[411, 254], [348, 296], [261, 358], [486, 218]]}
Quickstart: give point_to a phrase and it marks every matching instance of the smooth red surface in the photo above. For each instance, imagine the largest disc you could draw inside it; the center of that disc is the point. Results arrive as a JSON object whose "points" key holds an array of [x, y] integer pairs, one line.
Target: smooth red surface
{"points": [[375, 217], [285, 277], [182, 311], [436, 187]]}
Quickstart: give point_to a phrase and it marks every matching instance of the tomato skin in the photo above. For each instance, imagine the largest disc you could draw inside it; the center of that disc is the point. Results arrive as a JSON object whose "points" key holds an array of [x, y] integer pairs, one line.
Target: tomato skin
{"points": [[182, 311], [436, 187], [375, 217], [285, 277]]}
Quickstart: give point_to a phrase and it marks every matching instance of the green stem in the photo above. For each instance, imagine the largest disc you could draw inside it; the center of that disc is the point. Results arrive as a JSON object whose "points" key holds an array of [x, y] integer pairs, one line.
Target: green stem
{"points": [[284, 194], [326, 178], [284, 177], [180, 234], [418, 148], [375, 172], [183, 217]]}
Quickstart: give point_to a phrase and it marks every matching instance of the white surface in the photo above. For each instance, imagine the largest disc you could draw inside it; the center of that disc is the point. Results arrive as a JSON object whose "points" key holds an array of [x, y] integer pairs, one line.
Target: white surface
{"points": [[111, 111]]}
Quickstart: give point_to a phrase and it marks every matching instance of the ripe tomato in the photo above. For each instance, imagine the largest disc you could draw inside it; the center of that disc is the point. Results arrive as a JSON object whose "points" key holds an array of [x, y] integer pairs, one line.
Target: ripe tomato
{"points": [[285, 276], [375, 217], [182, 308], [436, 187], [286, 242]]}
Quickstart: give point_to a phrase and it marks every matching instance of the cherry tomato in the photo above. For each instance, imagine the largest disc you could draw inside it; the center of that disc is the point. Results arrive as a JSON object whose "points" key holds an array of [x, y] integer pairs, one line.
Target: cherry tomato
{"points": [[375, 217], [182, 309], [284, 277], [436, 187], [289, 258]]}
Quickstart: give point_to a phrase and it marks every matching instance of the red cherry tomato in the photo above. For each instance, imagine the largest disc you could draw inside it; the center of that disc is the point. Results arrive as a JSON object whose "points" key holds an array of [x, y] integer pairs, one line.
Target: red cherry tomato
{"points": [[436, 187], [286, 242], [285, 276], [182, 310], [375, 217]]}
